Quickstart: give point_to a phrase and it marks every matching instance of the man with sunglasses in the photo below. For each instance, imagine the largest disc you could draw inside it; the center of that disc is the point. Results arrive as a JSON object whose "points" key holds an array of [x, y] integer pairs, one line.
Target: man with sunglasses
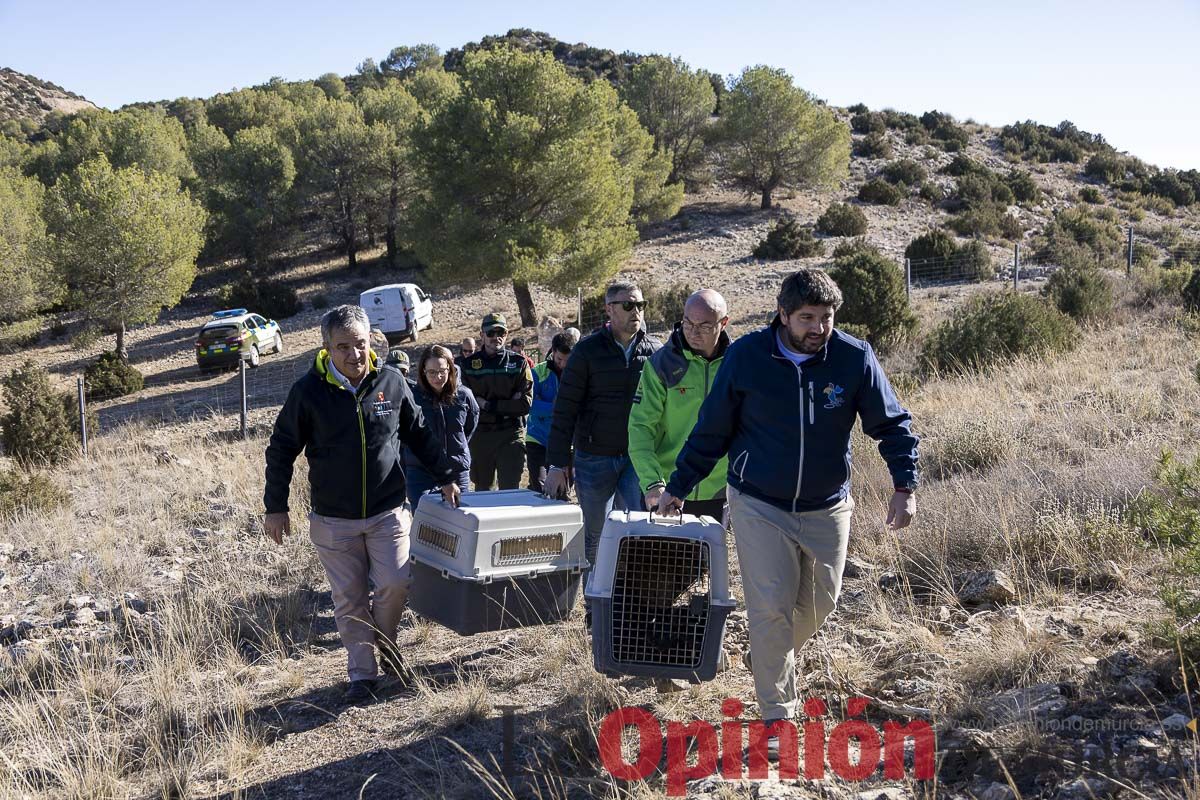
{"points": [[503, 387], [674, 383], [591, 413]]}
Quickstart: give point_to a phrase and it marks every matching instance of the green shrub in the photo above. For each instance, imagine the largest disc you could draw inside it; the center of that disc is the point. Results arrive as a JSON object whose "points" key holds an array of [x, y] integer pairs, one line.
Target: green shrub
{"points": [[858, 108], [987, 220], [1024, 188], [880, 192], [1082, 294], [873, 145], [996, 327], [1090, 194], [270, 299], [916, 136], [787, 239], [1191, 292], [110, 376], [319, 301], [842, 219], [962, 165], [905, 171], [900, 120], [866, 122], [664, 307], [952, 139], [874, 297], [29, 491], [1064, 142], [1106, 166], [1080, 237], [1170, 513], [36, 428], [18, 336], [936, 255], [933, 245], [932, 193]]}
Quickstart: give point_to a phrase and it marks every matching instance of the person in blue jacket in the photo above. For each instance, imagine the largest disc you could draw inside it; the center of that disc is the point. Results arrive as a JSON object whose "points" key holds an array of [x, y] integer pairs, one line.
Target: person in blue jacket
{"points": [[545, 388], [450, 412], [782, 408]]}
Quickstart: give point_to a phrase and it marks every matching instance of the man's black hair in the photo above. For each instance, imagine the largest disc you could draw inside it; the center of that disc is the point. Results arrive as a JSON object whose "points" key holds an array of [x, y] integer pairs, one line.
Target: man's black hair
{"points": [[808, 287]]}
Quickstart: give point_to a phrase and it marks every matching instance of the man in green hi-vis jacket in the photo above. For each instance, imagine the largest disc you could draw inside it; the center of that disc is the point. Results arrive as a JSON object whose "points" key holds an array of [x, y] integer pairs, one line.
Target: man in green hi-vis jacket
{"points": [[674, 383]]}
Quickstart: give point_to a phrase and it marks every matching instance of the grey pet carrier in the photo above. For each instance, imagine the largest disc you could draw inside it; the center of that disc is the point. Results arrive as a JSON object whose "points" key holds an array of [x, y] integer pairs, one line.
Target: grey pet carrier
{"points": [[659, 595]]}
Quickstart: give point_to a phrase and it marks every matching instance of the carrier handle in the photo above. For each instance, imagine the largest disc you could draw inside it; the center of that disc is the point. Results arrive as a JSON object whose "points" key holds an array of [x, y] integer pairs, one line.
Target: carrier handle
{"points": [[678, 518]]}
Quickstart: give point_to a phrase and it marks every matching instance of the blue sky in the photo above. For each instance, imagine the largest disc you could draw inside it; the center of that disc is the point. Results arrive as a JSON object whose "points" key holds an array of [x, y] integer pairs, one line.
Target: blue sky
{"points": [[1130, 72]]}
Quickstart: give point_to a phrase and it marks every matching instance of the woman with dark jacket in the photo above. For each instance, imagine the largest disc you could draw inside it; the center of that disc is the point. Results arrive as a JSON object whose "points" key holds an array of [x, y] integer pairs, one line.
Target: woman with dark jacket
{"points": [[451, 413]]}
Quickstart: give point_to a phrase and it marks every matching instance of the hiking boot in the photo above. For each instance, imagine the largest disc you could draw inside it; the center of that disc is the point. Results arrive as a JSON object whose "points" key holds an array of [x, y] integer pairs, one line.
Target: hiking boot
{"points": [[360, 691], [746, 660]]}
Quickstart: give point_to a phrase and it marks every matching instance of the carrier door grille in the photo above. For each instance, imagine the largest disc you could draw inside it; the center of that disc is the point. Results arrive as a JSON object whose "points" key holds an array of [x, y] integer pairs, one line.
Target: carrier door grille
{"points": [[660, 600], [527, 549], [440, 540]]}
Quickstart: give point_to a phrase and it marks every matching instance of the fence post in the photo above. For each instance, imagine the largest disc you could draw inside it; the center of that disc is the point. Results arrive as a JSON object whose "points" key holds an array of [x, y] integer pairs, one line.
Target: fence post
{"points": [[242, 374], [83, 431], [1129, 256], [579, 308], [1016, 265], [908, 278]]}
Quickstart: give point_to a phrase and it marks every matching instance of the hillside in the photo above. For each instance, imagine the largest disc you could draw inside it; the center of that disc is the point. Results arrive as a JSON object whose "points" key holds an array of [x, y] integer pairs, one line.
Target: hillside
{"points": [[154, 643], [24, 97]]}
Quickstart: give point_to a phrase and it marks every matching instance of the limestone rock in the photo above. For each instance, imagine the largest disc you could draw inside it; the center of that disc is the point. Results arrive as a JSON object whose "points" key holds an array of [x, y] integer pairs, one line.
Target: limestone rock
{"points": [[986, 586]]}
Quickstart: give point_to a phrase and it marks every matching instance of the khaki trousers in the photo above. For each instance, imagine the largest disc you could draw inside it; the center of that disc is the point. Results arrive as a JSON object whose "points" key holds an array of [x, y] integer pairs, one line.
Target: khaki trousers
{"points": [[791, 567], [358, 555]]}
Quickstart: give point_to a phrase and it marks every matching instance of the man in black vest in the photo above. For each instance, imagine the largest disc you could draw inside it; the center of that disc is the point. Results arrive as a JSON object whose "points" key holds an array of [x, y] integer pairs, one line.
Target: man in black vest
{"points": [[591, 412]]}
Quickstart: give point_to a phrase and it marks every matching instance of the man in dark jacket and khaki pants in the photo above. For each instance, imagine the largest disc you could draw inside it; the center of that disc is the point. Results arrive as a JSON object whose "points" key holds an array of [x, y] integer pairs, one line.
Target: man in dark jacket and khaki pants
{"points": [[782, 407], [353, 418]]}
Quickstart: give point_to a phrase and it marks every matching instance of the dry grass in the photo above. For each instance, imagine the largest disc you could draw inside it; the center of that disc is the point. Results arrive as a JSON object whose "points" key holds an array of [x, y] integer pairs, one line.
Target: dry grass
{"points": [[1028, 467]]}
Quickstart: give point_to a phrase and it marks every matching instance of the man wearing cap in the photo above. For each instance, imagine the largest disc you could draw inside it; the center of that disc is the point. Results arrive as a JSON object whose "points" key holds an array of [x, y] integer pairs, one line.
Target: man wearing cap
{"points": [[399, 359], [503, 387]]}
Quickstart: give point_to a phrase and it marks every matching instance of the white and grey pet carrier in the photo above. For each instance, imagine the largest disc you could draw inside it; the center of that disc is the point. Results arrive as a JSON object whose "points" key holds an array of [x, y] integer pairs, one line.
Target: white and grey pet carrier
{"points": [[659, 594], [502, 559]]}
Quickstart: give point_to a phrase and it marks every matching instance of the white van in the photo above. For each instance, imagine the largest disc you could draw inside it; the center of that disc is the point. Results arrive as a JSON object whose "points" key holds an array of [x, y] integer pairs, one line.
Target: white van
{"points": [[400, 310]]}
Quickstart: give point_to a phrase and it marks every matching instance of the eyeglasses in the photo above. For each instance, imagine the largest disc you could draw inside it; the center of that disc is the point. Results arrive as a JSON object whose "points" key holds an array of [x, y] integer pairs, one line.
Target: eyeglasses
{"points": [[705, 328], [629, 305], [496, 333], [436, 372]]}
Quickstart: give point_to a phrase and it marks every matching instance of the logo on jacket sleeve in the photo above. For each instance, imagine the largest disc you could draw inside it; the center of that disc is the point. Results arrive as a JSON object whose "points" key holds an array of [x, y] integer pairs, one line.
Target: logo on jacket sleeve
{"points": [[381, 406], [834, 396]]}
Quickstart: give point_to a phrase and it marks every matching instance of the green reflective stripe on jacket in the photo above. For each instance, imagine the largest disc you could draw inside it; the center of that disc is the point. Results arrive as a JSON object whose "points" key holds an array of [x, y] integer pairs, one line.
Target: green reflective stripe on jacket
{"points": [[662, 418]]}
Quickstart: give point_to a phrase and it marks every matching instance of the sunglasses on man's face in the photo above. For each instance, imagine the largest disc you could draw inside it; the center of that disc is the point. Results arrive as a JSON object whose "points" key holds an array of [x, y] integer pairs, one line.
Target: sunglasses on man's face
{"points": [[496, 333], [630, 305]]}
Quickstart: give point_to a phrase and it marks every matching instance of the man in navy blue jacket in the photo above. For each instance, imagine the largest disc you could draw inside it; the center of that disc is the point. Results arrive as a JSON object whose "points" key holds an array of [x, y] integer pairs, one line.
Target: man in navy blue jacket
{"points": [[782, 407]]}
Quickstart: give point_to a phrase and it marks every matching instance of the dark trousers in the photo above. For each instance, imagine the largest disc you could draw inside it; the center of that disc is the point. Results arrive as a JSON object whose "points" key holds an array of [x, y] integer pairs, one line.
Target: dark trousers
{"points": [[535, 456], [501, 452]]}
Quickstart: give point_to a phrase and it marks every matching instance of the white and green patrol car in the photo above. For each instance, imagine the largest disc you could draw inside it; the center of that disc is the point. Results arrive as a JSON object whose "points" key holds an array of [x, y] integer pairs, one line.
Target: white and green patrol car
{"points": [[236, 335]]}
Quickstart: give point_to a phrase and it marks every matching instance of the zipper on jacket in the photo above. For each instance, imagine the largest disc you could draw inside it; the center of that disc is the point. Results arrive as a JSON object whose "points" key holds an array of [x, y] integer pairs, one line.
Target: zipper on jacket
{"points": [[362, 440], [707, 364], [811, 419], [800, 469]]}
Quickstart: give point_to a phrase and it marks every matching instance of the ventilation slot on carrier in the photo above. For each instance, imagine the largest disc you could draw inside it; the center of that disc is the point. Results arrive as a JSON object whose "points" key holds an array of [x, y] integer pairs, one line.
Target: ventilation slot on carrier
{"points": [[660, 601], [527, 550], [438, 539]]}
